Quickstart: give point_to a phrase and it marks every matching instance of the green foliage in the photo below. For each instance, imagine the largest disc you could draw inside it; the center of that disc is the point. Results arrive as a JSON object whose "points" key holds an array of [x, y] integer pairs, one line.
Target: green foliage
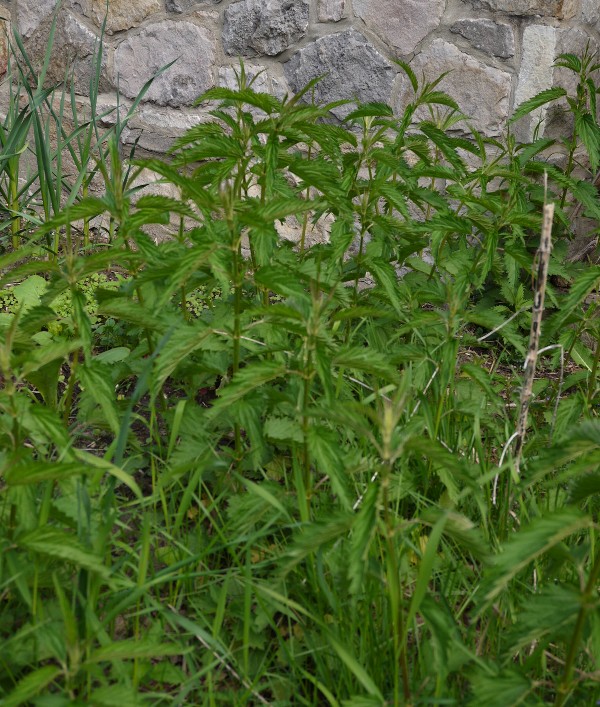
{"points": [[240, 470]]}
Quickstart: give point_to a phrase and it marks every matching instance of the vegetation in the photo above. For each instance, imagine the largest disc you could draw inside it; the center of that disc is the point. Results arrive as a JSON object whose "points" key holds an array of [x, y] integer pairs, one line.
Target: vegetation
{"points": [[239, 470]]}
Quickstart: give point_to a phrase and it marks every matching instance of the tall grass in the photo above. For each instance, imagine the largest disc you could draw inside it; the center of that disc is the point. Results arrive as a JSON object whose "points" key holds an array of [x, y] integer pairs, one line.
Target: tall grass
{"points": [[243, 472]]}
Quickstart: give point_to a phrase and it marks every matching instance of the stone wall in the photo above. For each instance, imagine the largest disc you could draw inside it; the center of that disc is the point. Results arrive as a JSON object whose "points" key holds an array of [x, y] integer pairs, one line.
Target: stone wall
{"points": [[499, 52]]}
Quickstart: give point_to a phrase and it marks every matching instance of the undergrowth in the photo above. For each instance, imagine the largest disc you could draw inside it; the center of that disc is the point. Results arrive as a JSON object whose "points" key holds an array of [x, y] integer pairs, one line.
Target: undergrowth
{"points": [[241, 470]]}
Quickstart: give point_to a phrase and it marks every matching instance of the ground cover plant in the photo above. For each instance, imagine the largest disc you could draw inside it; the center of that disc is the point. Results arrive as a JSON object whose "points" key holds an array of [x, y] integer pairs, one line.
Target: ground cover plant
{"points": [[241, 470]]}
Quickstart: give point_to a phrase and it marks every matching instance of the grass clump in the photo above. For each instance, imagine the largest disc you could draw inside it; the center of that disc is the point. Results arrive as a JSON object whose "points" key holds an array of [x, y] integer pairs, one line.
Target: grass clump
{"points": [[243, 476]]}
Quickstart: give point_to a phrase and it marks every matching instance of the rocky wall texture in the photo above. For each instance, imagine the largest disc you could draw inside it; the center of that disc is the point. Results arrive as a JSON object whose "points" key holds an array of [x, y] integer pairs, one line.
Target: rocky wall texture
{"points": [[498, 52]]}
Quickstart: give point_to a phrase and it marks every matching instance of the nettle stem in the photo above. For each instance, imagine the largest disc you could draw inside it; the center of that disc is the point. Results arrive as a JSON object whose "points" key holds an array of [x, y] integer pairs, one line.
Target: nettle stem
{"points": [[588, 603]]}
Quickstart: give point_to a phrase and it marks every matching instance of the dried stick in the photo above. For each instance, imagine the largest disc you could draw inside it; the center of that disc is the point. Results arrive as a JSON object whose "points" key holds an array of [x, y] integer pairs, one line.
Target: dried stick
{"points": [[543, 256]]}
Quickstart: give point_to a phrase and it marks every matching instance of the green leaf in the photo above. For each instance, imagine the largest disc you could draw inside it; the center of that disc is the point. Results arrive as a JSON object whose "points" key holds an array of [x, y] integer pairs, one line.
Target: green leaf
{"points": [[248, 379], [282, 429], [503, 689], [528, 543], [29, 293], [324, 449], [31, 685], [589, 133], [112, 695], [364, 530], [132, 649], [356, 669], [541, 99], [36, 472], [96, 379], [583, 487], [548, 615], [61, 546], [365, 360]]}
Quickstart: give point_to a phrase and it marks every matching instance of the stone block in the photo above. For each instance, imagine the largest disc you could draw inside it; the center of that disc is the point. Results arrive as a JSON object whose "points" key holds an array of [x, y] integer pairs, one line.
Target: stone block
{"points": [[493, 38], [123, 14], [352, 66], [141, 55], [536, 74], [265, 81], [31, 14], [4, 46], [263, 27], [73, 52], [481, 91], [400, 23], [561, 9], [331, 10], [590, 12]]}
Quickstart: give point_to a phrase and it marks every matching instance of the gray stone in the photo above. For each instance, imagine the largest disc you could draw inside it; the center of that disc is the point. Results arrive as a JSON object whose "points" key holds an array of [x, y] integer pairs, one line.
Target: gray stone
{"points": [[401, 24], [141, 55], [123, 14], [83, 7], [331, 10], [181, 6], [31, 14], [75, 46], [255, 27], [493, 38], [561, 9], [481, 91], [536, 75], [352, 66], [264, 82], [590, 12]]}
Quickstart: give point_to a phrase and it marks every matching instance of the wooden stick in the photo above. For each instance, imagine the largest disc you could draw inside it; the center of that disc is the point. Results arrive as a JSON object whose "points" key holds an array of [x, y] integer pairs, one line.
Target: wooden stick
{"points": [[543, 256]]}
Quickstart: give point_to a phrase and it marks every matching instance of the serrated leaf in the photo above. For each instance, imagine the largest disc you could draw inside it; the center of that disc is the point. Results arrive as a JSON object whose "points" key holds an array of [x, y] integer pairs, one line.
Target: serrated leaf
{"points": [[61, 546], [323, 446], [36, 472], [132, 649], [364, 530], [366, 361], [96, 379], [248, 379], [31, 685], [283, 429], [539, 100], [527, 544], [548, 615], [503, 689]]}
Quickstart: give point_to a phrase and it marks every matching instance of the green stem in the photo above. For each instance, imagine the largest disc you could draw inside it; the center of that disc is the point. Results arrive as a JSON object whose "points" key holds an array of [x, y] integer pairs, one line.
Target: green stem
{"points": [[395, 593], [15, 225], [587, 602]]}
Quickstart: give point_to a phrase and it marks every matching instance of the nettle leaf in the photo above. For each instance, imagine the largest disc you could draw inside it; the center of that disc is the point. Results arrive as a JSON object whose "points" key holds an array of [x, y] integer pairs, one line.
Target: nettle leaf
{"points": [[325, 451], [583, 487], [530, 542], [31, 685], [248, 379], [364, 530], [283, 429], [541, 99], [132, 649], [549, 615], [186, 339], [589, 133], [96, 379], [506, 688], [58, 545], [365, 360], [314, 537], [36, 472]]}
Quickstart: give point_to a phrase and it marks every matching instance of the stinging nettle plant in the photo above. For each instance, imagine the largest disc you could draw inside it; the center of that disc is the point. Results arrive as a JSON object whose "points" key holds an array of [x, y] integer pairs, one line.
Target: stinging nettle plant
{"points": [[272, 483]]}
